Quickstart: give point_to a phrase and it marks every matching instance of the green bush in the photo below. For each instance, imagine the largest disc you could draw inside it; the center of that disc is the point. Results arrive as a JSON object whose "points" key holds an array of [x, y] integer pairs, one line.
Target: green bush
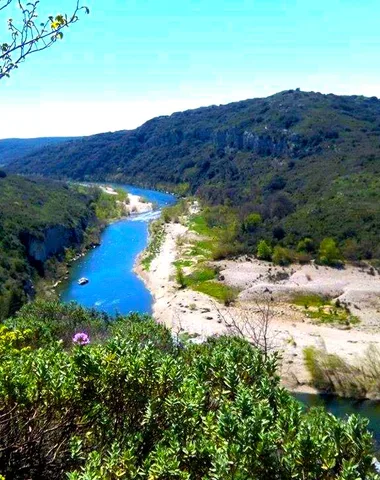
{"points": [[282, 256], [135, 405], [329, 253], [264, 251], [306, 246], [252, 221]]}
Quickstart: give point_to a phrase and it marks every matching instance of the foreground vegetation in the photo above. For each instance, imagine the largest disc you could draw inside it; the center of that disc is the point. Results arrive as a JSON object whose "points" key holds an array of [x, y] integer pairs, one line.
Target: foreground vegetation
{"points": [[86, 397], [292, 166]]}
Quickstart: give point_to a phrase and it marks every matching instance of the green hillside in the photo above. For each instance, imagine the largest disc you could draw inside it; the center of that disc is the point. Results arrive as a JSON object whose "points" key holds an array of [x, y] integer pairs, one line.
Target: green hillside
{"points": [[12, 149], [307, 163], [39, 219]]}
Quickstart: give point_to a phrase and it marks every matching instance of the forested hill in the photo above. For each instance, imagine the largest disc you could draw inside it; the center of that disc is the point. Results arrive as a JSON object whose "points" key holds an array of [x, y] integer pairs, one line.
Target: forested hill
{"points": [[39, 221], [12, 149], [306, 162]]}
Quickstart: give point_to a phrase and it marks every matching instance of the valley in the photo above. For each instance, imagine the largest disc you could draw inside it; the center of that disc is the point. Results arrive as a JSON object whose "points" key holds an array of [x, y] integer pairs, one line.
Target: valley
{"points": [[270, 242]]}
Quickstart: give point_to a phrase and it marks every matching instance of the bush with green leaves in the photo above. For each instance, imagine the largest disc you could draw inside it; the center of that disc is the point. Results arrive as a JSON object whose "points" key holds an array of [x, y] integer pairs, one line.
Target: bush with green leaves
{"points": [[282, 256], [264, 251], [329, 253], [252, 221], [306, 245], [135, 404]]}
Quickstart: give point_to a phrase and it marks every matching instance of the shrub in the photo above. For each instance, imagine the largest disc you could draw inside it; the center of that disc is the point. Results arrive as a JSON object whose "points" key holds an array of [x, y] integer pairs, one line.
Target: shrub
{"points": [[329, 253], [264, 251], [334, 374], [306, 245], [180, 277], [252, 221], [137, 406], [282, 256]]}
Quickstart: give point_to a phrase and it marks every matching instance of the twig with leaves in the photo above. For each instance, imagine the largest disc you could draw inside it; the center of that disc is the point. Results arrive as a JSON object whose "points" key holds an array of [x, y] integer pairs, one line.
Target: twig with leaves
{"points": [[29, 36]]}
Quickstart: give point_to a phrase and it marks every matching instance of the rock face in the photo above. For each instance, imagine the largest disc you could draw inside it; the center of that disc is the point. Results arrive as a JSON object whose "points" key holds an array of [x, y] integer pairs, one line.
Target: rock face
{"points": [[248, 140], [280, 143], [51, 242]]}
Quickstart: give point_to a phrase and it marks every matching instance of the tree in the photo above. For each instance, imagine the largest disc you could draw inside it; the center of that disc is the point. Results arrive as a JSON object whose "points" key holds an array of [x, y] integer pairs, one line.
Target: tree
{"points": [[254, 323], [252, 221], [306, 245], [264, 251], [282, 256], [28, 34], [329, 253]]}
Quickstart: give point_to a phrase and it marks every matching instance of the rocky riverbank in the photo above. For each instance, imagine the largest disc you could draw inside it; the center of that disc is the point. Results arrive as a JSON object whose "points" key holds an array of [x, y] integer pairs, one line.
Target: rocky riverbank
{"points": [[290, 328]]}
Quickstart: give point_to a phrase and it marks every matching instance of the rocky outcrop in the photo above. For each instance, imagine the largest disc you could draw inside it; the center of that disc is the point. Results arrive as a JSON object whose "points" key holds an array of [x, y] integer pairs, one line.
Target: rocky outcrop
{"points": [[271, 143], [51, 242], [261, 144]]}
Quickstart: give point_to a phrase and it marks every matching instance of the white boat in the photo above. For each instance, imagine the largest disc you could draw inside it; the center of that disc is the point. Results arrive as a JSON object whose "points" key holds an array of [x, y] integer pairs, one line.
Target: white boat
{"points": [[83, 281]]}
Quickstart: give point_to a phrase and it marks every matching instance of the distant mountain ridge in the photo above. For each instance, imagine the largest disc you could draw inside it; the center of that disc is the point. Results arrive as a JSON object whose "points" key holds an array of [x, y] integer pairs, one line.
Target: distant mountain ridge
{"points": [[308, 163], [12, 149]]}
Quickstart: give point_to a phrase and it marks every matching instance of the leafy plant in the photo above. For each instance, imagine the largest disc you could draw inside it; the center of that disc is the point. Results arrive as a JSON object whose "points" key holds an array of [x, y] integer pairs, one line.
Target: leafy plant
{"points": [[329, 253], [264, 251], [135, 405]]}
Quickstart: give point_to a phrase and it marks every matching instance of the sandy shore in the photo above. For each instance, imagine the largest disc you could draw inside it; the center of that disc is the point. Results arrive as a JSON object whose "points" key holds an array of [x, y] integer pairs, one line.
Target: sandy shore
{"points": [[135, 203], [290, 329]]}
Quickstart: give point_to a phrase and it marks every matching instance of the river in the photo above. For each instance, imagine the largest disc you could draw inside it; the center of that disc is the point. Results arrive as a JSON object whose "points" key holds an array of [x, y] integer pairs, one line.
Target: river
{"points": [[114, 288]]}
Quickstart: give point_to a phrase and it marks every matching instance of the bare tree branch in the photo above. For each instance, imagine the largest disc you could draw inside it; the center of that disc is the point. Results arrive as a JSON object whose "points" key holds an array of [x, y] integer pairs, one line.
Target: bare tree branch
{"points": [[252, 323]]}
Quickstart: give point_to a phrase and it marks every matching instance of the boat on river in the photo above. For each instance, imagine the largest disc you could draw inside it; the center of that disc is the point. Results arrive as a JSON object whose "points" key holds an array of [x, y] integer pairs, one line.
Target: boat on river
{"points": [[83, 281]]}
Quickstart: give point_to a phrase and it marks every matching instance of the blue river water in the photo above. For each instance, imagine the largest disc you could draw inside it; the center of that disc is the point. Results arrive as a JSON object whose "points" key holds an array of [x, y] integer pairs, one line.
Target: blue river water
{"points": [[113, 286]]}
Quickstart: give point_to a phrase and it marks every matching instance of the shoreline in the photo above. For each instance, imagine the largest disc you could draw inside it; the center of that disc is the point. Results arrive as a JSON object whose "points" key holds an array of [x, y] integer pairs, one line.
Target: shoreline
{"points": [[185, 310]]}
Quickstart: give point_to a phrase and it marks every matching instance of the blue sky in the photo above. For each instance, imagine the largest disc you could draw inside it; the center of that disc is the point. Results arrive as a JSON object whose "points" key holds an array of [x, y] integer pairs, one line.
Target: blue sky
{"points": [[131, 60]]}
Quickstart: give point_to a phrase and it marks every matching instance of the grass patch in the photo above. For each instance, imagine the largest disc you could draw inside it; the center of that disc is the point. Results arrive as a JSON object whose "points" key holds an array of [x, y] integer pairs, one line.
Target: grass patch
{"points": [[321, 309], [310, 300], [202, 248], [182, 263], [204, 280], [199, 225], [221, 292], [200, 275], [330, 314]]}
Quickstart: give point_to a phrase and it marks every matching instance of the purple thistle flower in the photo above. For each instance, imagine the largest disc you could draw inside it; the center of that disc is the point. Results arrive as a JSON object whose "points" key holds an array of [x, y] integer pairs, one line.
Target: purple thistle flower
{"points": [[81, 338]]}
